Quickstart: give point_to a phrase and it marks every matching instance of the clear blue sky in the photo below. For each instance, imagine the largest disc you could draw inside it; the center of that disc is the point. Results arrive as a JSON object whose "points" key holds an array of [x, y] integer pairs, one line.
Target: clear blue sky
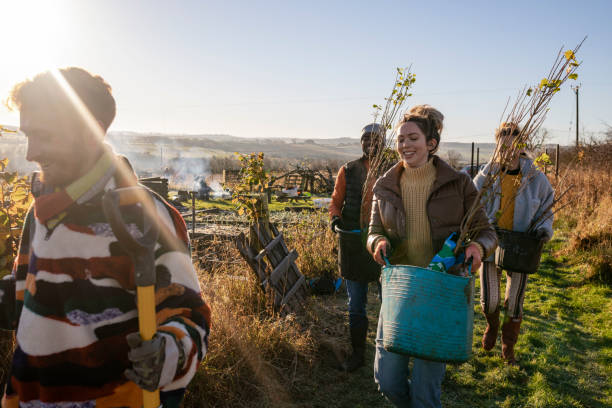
{"points": [[312, 69]]}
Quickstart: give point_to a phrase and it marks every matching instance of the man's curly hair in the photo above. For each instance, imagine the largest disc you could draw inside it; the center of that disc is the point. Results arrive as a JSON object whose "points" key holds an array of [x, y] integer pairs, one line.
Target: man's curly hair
{"points": [[43, 90]]}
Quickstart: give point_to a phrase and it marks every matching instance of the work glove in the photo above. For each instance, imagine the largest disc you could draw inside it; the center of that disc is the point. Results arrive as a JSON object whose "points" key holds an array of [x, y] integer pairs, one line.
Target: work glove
{"points": [[335, 222], [153, 366]]}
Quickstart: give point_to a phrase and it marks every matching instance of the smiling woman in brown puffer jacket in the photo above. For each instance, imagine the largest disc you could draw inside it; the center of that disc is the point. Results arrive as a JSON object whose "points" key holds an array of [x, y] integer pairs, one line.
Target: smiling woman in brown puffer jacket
{"points": [[417, 204]]}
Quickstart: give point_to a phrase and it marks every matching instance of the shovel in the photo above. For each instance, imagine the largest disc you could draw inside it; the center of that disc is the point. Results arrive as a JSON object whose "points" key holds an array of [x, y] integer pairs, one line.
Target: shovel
{"points": [[141, 250]]}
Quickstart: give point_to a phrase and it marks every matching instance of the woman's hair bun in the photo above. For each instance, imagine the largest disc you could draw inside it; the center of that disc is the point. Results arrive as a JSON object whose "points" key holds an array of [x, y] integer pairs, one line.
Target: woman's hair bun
{"points": [[428, 119]]}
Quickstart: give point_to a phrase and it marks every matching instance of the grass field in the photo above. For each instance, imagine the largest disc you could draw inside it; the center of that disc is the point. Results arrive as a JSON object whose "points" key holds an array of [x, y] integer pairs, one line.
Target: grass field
{"points": [[565, 351], [565, 347]]}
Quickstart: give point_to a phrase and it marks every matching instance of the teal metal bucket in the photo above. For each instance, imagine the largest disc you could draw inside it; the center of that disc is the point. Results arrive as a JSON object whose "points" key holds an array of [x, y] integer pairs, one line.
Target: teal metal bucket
{"points": [[427, 314]]}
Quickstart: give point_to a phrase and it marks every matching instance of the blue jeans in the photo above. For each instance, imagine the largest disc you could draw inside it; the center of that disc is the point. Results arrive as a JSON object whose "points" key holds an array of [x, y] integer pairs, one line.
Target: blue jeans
{"points": [[357, 300], [391, 373]]}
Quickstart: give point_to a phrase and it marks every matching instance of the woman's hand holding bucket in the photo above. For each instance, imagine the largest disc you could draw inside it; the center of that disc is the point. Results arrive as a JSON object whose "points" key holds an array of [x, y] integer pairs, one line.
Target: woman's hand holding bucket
{"points": [[380, 252], [473, 251]]}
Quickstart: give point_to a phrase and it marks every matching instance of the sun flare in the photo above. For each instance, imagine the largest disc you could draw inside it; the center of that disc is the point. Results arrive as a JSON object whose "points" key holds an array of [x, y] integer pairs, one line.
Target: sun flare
{"points": [[32, 33]]}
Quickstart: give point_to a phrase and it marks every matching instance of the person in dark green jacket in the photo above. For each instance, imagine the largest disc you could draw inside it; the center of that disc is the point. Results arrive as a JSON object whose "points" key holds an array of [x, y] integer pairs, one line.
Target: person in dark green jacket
{"points": [[356, 265]]}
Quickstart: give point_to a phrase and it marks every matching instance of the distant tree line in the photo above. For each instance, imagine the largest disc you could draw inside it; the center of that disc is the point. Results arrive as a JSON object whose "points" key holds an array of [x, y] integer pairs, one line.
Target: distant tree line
{"points": [[219, 163]]}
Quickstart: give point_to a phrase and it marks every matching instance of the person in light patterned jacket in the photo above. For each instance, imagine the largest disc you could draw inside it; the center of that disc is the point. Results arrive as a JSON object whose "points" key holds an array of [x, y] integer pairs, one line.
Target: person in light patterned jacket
{"points": [[522, 197]]}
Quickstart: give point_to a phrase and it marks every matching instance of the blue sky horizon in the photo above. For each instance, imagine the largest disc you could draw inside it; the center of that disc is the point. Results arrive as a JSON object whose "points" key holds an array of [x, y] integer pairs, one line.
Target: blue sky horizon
{"points": [[289, 69]]}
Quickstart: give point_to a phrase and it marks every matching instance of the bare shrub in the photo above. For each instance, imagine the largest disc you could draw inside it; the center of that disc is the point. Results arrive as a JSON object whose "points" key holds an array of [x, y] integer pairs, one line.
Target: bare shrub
{"points": [[454, 158], [219, 163]]}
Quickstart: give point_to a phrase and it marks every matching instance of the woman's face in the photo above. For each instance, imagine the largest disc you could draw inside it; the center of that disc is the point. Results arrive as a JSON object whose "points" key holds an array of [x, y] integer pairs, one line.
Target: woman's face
{"points": [[508, 140], [412, 147]]}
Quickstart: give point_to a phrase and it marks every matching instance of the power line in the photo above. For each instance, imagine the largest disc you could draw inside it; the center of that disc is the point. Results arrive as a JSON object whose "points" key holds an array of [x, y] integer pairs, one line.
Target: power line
{"points": [[333, 99]]}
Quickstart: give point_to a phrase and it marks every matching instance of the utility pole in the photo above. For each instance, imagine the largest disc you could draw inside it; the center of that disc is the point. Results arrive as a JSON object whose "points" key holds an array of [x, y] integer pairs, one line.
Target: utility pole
{"points": [[193, 212], [557, 162], [472, 162], [576, 90]]}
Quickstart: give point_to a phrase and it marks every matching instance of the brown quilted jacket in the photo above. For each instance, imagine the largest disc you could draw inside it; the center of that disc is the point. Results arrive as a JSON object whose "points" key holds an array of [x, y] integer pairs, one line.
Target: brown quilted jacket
{"points": [[451, 196]]}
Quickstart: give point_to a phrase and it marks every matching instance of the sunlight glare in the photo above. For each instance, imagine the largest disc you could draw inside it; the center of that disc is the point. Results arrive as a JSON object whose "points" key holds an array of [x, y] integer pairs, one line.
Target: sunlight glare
{"points": [[33, 33], [94, 126]]}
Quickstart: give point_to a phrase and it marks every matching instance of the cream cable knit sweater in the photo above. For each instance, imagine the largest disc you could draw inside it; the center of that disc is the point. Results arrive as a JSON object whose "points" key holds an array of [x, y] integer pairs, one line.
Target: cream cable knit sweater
{"points": [[416, 185]]}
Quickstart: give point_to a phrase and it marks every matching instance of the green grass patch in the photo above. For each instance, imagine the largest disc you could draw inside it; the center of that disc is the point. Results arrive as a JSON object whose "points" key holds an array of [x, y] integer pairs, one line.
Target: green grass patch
{"points": [[565, 352], [564, 347]]}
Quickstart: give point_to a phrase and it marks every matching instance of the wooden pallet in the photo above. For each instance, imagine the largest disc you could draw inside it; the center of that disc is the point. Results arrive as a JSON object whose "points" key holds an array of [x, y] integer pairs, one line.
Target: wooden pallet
{"points": [[275, 267]]}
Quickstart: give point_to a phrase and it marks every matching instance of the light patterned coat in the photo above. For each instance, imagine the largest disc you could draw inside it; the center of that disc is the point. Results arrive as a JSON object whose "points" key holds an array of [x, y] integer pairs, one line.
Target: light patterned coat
{"points": [[534, 197]]}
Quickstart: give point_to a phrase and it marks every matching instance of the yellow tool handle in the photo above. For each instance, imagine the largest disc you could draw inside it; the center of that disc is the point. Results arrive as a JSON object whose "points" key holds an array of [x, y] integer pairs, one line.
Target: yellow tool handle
{"points": [[147, 325]]}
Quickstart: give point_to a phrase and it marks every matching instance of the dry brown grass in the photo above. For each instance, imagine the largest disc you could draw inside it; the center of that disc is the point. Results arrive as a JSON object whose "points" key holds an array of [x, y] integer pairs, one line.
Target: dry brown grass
{"points": [[316, 244], [255, 357], [589, 214], [594, 226]]}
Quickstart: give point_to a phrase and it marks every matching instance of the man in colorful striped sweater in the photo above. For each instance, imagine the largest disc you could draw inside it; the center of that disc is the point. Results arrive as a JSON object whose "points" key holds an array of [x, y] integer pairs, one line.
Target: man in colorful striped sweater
{"points": [[71, 297]]}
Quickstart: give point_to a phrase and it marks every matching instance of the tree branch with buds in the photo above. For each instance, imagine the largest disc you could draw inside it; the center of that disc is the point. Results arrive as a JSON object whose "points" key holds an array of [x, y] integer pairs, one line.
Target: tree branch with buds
{"points": [[527, 113]]}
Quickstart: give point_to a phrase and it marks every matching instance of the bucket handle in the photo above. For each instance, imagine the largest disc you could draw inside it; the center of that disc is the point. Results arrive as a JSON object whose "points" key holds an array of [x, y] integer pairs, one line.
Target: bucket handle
{"points": [[469, 264], [352, 232], [387, 263]]}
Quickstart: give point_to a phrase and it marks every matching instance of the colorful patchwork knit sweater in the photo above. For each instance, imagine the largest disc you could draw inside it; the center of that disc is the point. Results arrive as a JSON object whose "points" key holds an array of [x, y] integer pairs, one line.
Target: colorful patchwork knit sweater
{"points": [[74, 303]]}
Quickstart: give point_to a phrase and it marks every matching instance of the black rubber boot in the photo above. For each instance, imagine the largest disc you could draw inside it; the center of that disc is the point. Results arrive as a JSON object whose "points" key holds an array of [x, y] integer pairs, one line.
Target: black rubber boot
{"points": [[358, 340]]}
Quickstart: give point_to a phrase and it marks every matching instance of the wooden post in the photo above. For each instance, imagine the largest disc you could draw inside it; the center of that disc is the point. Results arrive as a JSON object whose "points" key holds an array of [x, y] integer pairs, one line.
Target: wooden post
{"points": [[557, 162], [193, 217], [261, 221], [477, 158], [472, 162]]}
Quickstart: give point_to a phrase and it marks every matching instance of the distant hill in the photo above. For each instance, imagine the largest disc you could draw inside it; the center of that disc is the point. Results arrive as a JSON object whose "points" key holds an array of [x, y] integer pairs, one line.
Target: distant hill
{"points": [[208, 145], [149, 151], [336, 148]]}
